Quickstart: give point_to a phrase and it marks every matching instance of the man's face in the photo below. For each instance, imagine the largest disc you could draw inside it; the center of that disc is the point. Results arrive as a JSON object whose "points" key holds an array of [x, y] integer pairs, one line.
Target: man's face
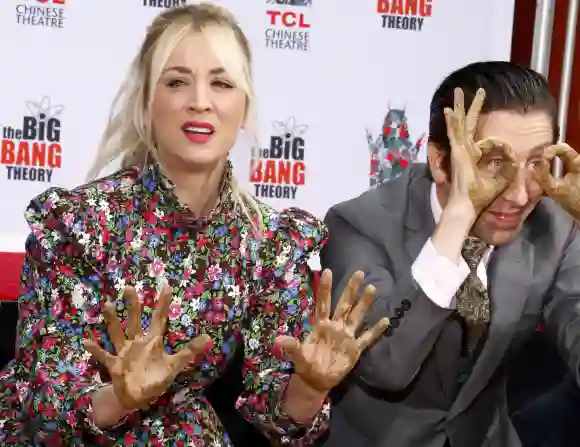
{"points": [[528, 134]]}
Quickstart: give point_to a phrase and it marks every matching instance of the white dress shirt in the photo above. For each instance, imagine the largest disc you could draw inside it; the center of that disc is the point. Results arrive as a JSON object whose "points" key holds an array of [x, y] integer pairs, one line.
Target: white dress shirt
{"points": [[438, 276]]}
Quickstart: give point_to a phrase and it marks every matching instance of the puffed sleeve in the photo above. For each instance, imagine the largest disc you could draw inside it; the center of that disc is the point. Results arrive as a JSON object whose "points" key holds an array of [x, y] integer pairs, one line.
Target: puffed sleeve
{"points": [[60, 300], [283, 306]]}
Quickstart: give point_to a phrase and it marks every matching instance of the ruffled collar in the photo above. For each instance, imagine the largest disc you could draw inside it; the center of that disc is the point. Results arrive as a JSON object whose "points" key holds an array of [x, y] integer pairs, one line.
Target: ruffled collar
{"points": [[160, 191]]}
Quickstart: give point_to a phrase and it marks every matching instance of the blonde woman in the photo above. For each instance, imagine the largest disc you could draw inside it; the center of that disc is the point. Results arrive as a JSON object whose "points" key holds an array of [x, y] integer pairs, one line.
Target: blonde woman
{"points": [[139, 287]]}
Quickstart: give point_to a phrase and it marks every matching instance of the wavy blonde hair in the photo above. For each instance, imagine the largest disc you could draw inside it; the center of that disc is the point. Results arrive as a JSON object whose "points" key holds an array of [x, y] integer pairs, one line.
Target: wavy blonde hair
{"points": [[128, 134]]}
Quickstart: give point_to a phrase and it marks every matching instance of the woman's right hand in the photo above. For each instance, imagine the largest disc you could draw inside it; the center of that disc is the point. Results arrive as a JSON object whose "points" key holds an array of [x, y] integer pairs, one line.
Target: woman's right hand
{"points": [[142, 371]]}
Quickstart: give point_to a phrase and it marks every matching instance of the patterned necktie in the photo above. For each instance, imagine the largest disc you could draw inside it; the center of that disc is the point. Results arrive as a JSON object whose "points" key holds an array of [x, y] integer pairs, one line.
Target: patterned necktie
{"points": [[472, 298]]}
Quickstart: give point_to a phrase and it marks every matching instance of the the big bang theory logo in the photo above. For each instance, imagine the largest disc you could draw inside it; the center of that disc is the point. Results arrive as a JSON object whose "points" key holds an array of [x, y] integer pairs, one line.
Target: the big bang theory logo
{"points": [[404, 14], [393, 150], [32, 151], [278, 171]]}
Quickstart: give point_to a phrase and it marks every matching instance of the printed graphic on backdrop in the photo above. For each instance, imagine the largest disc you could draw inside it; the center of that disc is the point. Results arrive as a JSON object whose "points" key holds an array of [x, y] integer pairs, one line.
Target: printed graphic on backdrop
{"points": [[32, 150], [393, 149], [404, 14], [163, 4], [288, 27], [279, 170], [41, 13]]}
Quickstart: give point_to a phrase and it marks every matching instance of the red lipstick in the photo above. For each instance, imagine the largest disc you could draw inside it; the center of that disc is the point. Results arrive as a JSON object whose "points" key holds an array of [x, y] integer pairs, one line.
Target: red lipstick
{"points": [[198, 131]]}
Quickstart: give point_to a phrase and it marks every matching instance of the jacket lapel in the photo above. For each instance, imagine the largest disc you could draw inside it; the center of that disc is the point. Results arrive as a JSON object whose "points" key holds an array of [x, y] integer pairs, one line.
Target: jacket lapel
{"points": [[419, 226], [510, 276]]}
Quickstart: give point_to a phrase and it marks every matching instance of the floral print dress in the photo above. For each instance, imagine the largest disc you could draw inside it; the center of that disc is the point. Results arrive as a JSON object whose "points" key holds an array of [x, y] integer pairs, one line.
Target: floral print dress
{"points": [[229, 281]]}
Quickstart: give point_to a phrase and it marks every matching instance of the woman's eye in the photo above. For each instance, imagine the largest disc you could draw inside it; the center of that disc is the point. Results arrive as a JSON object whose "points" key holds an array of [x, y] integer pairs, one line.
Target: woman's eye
{"points": [[175, 83], [222, 84]]}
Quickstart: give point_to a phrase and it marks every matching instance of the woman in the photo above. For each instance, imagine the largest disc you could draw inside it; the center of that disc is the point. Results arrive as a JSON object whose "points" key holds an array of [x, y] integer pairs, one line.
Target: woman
{"points": [[161, 270]]}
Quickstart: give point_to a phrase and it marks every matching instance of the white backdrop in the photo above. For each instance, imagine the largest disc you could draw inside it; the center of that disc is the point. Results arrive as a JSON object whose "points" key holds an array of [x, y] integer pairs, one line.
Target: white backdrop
{"points": [[328, 76]]}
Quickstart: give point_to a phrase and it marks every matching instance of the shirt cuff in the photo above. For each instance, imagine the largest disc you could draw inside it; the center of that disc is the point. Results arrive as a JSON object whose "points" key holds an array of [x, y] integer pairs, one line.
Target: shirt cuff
{"points": [[438, 276], [292, 432]]}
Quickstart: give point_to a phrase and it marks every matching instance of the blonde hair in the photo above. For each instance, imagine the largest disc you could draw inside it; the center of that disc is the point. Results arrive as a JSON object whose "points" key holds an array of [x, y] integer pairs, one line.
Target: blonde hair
{"points": [[128, 133]]}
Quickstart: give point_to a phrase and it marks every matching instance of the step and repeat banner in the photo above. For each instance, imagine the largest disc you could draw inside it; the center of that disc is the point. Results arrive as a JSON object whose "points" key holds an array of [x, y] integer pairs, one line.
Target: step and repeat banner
{"points": [[343, 89]]}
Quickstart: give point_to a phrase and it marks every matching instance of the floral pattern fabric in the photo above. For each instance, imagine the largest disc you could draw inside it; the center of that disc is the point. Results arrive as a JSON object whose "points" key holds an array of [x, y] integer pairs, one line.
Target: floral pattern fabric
{"points": [[241, 287]]}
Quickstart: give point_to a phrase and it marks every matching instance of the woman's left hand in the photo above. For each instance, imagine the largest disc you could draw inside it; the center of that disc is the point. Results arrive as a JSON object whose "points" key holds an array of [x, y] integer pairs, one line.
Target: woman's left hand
{"points": [[332, 348]]}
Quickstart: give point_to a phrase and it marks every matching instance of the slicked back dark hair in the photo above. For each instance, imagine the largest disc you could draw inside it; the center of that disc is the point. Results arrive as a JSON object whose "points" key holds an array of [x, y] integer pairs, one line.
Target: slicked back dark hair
{"points": [[507, 86]]}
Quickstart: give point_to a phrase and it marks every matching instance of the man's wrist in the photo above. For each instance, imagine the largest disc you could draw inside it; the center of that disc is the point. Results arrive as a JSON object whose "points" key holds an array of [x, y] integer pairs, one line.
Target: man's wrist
{"points": [[452, 230], [461, 211]]}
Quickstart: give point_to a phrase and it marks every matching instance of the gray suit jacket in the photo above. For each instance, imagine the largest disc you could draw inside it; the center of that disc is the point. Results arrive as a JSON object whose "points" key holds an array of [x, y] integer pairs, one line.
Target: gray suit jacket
{"points": [[403, 392]]}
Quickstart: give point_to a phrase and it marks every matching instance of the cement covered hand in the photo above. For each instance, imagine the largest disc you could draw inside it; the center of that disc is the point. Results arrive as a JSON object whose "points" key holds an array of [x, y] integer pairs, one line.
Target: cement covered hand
{"points": [[480, 184], [332, 348], [565, 191], [142, 371]]}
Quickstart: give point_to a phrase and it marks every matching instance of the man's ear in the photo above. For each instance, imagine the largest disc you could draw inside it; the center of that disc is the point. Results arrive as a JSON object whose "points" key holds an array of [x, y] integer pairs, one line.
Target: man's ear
{"points": [[436, 160]]}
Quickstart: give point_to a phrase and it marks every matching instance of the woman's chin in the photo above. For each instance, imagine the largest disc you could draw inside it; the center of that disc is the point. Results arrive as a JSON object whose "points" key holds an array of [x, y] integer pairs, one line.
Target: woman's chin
{"points": [[200, 160]]}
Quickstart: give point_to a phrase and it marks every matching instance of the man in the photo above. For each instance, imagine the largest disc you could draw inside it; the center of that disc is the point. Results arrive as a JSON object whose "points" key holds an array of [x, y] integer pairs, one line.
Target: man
{"points": [[467, 257]]}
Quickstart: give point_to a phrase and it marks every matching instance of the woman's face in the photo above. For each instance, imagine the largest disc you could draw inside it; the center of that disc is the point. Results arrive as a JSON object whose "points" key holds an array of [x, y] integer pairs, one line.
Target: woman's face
{"points": [[197, 109]]}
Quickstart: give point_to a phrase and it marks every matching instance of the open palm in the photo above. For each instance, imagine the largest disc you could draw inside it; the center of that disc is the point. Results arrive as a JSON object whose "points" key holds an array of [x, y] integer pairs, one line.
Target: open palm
{"points": [[332, 348], [142, 370]]}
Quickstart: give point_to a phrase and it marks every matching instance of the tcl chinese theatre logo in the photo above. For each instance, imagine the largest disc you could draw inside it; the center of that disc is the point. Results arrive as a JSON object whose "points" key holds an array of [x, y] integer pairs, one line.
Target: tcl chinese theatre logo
{"points": [[288, 27], [279, 171], [164, 4], [41, 13], [393, 150], [404, 14], [32, 151]]}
